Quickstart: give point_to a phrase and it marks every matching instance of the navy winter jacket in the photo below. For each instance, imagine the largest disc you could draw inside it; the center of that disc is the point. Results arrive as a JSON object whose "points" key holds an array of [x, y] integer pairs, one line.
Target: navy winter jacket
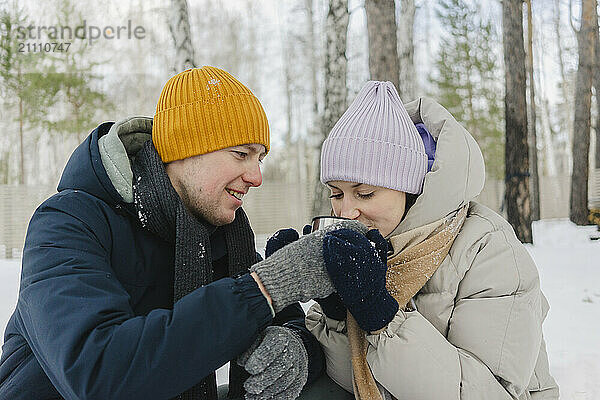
{"points": [[94, 318]]}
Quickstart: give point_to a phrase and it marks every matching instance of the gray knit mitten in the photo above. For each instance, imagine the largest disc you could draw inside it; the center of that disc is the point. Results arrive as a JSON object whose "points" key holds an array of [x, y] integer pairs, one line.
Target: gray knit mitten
{"points": [[297, 271], [277, 363]]}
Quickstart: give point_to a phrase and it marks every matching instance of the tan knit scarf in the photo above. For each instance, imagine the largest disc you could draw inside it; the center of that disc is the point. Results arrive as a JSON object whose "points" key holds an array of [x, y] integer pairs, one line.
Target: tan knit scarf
{"points": [[417, 255]]}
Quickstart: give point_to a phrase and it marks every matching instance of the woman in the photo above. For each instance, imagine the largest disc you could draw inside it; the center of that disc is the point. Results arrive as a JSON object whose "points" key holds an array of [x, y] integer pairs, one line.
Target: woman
{"points": [[469, 321]]}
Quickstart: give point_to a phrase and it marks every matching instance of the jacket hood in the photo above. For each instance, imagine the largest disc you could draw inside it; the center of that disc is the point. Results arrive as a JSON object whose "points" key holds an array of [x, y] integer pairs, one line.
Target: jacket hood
{"points": [[101, 164], [458, 172]]}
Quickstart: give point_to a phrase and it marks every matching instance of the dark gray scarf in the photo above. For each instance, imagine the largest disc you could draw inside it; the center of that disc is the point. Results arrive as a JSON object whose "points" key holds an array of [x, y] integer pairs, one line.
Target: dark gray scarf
{"points": [[161, 211]]}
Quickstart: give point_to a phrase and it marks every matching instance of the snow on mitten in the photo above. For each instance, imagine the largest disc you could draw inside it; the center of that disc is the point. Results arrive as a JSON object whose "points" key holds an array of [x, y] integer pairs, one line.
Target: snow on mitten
{"points": [[297, 271], [358, 271], [279, 240], [277, 364]]}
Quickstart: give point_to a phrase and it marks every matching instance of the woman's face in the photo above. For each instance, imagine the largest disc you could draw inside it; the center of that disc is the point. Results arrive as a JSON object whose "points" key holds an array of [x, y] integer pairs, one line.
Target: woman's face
{"points": [[376, 207]]}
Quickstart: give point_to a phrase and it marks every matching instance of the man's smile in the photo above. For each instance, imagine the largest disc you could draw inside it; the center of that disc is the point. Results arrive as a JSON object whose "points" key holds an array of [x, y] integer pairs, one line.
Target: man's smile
{"points": [[238, 195]]}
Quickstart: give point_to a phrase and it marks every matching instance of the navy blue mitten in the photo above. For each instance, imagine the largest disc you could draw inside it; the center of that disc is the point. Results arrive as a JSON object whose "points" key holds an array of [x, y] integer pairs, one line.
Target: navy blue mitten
{"points": [[279, 240], [333, 306], [357, 270], [307, 229]]}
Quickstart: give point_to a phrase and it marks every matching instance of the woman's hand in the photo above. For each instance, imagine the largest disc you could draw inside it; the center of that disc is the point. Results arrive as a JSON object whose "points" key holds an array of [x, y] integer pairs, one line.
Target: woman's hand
{"points": [[279, 240], [357, 269], [296, 272]]}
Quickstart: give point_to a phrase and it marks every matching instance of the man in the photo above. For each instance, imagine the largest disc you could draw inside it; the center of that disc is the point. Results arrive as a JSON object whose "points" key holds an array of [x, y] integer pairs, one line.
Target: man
{"points": [[135, 278]]}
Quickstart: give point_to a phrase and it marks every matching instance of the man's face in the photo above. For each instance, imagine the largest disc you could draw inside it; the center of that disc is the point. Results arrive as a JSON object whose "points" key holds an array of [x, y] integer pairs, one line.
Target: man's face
{"points": [[211, 186]]}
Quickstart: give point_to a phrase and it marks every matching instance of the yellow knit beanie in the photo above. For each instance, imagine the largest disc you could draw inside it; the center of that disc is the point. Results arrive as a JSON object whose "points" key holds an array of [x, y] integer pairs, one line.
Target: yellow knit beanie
{"points": [[202, 110]]}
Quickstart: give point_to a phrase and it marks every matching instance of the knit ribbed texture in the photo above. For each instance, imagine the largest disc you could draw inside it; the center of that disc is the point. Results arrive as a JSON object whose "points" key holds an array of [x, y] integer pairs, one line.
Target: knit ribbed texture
{"points": [[202, 110], [278, 364], [297, 272], [376, 143], [358, 270], [161, 211]]}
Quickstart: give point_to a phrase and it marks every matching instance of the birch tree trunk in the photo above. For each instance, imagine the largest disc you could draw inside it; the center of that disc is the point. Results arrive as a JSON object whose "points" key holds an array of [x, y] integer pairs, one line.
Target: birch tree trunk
{"points": [[565, 83], [313, 57], [579, 212], [383, 50], [533, 156], [549, 168], [179, 26], [336, 31], [335, 64], [517, 199], [550, 159], [408, 78]]}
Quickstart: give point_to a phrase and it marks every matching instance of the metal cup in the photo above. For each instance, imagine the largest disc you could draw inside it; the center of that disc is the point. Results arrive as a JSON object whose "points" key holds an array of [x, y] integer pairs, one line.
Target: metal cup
{"points": [[323, 221]]}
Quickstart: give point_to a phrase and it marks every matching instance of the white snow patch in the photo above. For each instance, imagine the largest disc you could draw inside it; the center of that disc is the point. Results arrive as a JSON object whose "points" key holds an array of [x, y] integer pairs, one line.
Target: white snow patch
{"points": [[10, 273]]}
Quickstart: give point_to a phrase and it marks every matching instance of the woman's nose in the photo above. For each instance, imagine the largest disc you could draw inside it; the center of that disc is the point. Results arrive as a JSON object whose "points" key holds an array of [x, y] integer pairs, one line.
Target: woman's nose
{"points": [[349, 211]]}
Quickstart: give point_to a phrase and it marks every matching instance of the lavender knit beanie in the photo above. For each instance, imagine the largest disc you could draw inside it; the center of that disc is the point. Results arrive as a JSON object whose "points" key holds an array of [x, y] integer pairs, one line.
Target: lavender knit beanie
{"points": [[376, 143]]}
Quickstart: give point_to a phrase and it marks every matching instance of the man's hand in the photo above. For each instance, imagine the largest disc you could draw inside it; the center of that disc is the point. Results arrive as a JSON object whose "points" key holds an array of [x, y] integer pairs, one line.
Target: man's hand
{"points": [[297, 271], [358, 272], [277, 363], [280, 239], [331, 305]]}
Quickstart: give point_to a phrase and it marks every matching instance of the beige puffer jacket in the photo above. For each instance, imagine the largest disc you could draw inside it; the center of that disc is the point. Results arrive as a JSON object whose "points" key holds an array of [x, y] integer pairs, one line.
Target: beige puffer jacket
{"points": [[477, 331]]}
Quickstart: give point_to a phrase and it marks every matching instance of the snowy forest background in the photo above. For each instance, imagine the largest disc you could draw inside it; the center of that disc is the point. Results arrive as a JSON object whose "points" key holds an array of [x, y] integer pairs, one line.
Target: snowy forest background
{"points": [[306, 60]]}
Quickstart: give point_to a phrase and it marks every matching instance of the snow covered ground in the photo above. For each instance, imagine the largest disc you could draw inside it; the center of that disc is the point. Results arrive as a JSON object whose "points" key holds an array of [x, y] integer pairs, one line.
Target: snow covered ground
{"points": [[569, 265]]}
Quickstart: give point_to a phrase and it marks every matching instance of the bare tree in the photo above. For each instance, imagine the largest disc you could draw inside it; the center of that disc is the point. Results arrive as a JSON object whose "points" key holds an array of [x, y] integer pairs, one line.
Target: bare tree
{"points": [[549, 158], [597, 87], [13, 79], [300, 91], [335, 64], [292, 156], [516, 149], [313, 53], [383, 50], [312, 56], [565, 81], [251, 52], [408, 78], [336, 31], [579, 212], [179, 25], [533, 156]]}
